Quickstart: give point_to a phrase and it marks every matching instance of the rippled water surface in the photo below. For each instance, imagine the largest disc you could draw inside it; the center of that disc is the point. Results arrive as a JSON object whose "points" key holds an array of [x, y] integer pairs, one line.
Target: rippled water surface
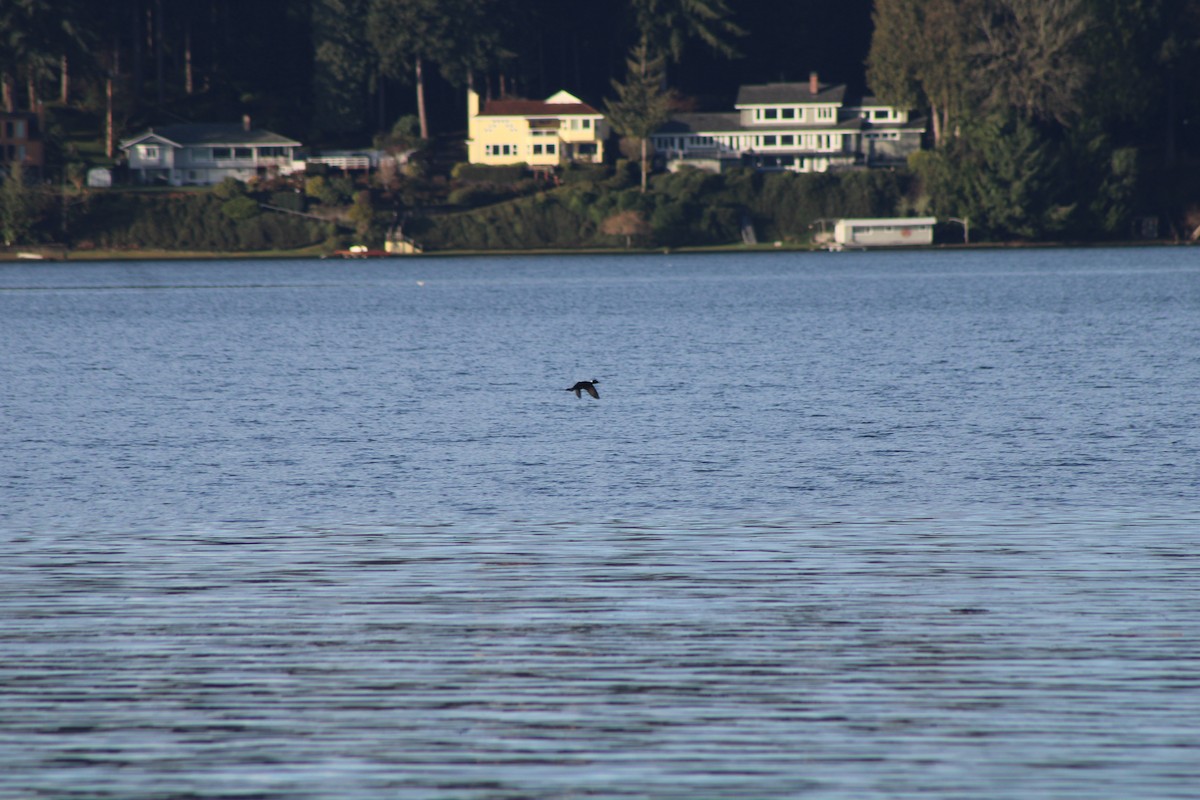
{"points": [[888, 525]]}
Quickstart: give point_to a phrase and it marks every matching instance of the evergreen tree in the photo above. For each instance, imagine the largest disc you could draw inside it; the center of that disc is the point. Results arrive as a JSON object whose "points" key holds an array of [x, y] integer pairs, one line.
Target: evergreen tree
{"points": [[36, 36], [642, 104], [340, 66], [666, 25], [1030, 57], [458, 36], [921, 57]]}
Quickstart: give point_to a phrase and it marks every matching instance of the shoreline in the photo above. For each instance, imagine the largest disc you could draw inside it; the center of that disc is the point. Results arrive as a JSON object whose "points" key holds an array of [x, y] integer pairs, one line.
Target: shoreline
{"points": [[41, 254]]}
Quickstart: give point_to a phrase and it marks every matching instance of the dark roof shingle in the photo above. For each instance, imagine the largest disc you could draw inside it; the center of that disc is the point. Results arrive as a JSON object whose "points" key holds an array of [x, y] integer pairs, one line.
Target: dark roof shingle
{"points": [[217, 133], [779, 93]]}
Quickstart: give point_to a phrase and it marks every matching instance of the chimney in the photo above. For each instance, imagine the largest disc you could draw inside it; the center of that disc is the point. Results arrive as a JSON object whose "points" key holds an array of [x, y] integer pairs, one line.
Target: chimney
{"points": [[472, 103], [245, 122], [814, 85]]}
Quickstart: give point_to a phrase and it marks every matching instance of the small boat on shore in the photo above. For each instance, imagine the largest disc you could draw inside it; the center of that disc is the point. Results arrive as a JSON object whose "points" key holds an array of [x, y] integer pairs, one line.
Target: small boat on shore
{"points": [[360, 251]]}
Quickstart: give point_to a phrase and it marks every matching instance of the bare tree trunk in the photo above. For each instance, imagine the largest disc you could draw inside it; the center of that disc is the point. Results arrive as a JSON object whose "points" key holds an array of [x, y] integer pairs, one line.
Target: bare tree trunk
{"points": [[936, 117], [645, 166], [64, 85], [189, 84], [137, 54], [421, 100], [33, 93], [6, 88], [108, 117], [1169, 145], [158, 51]]}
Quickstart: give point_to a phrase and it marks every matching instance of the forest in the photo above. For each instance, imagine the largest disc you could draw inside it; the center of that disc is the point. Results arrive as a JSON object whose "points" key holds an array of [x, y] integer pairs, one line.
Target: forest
{"points": [[1049, 119]]}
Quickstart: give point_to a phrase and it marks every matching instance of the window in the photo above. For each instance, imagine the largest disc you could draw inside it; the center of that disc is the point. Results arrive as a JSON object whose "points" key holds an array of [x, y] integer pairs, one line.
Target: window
{"points": [[149, 152], [788, 113], [243, 152], [825, 112], [272, 152], [550, 149], [587, 124], [769, 141], [574, 124], [587, 149], [770, 113], [537, 149], [787, 140], [220, 152]]}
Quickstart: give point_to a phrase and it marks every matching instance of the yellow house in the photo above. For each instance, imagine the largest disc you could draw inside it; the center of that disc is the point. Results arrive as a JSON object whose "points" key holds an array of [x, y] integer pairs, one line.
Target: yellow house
{"points": [[540, 133]]}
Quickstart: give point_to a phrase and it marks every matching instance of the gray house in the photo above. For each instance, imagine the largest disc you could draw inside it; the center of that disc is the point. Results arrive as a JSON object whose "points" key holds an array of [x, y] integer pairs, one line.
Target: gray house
{"points": [[206, 153], [802, 127]]}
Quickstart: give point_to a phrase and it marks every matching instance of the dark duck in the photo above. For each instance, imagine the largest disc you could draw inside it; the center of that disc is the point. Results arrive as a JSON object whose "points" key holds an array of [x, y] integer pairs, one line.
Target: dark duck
{"points": [[586, 386]]}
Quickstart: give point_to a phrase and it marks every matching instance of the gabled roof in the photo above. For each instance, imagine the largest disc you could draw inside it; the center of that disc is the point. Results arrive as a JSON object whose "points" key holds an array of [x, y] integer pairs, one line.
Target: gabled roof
{"points": [[701, 123], [560, 104], [783, 93], [232, 134]]}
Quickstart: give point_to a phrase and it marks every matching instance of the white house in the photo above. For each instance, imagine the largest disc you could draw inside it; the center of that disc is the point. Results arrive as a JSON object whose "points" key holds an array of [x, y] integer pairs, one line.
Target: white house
{"points": [[207, 153], [802, 127], [541, 133], [894, 232]]}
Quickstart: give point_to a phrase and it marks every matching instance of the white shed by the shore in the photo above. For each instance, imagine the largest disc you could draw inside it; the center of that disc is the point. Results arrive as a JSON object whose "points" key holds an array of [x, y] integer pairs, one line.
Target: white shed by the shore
{"points": [[894, 232]]}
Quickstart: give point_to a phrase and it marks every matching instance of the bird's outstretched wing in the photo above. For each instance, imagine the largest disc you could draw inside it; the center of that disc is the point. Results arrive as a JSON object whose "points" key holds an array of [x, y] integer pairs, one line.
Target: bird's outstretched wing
{"points": [[591, 389]]}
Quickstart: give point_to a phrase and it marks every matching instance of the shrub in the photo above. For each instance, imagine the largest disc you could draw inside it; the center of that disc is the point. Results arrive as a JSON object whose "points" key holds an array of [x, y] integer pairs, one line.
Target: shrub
{"points": [[240, 208], [229, 189], [486, 173], [292, 201]]}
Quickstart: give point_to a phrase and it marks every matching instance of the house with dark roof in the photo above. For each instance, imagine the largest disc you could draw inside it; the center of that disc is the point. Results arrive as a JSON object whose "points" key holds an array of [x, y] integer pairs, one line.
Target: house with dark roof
{"points": [[802, 127], [203, 154], [541, 133]]}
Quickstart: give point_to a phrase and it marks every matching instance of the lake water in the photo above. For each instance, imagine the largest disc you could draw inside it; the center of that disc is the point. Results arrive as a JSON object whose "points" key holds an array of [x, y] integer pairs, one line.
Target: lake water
{"points": [[886, 525]]}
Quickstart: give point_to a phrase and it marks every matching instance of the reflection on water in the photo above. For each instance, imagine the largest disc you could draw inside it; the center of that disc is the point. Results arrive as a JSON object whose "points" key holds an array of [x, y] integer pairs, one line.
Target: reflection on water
{"points": [[910, 525]]}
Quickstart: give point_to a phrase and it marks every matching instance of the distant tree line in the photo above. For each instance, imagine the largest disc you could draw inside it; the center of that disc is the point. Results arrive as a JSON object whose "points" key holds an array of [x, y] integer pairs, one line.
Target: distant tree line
{"points": [[326, 70], [1051, 118]]}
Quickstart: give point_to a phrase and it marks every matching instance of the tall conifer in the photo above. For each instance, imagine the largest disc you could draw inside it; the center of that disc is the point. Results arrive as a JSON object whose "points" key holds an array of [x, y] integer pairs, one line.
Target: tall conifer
{"points": [[642, 104]]}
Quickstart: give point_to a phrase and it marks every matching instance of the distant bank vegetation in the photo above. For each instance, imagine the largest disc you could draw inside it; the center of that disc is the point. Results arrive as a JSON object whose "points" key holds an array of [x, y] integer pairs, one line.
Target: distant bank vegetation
{"points": [[587, 208], [688, 208], [1020, 191]]}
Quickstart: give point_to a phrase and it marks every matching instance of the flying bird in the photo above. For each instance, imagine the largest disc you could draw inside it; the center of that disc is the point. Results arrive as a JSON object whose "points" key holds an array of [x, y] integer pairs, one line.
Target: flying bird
{"points": [[586, 386]]}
